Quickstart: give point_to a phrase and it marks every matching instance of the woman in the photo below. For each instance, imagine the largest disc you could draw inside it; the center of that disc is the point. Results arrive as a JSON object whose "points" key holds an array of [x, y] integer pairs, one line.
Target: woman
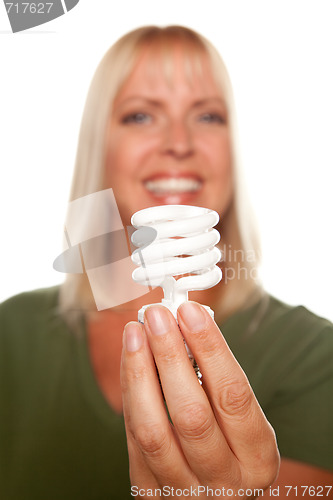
{"points": [[159, 128]]}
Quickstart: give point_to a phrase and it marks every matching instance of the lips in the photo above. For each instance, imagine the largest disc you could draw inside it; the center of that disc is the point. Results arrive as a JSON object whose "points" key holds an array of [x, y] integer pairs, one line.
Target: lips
{"points": [[179, 189], [164, 185], [172, 186]]}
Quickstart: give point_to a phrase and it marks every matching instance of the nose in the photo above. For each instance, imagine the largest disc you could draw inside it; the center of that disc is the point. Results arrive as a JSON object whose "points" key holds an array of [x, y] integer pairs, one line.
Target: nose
{"points": [[178, 140]]}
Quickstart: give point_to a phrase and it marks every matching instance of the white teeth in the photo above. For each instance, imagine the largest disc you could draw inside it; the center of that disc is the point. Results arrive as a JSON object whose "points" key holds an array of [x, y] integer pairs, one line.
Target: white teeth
{"points": [[173, 185]]}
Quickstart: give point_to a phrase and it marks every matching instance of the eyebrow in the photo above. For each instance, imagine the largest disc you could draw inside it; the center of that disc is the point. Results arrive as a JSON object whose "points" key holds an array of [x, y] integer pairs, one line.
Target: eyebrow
{"points": [[208, 100], [157, 103]]}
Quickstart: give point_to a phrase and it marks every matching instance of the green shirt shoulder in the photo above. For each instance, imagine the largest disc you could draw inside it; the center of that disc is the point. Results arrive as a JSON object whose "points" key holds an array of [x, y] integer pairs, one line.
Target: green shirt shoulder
{"points": [[59, 439]]}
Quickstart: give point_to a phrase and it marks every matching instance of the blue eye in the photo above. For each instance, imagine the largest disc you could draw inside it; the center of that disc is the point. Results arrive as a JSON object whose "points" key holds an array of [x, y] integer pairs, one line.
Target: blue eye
{"points": [[139, 118], [212, 118]]}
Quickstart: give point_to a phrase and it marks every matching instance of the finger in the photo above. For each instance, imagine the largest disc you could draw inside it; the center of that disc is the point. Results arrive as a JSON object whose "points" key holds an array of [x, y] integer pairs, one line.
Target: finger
{"points": [[152, 442], [238, 413], [140, 474], [200, 436]]}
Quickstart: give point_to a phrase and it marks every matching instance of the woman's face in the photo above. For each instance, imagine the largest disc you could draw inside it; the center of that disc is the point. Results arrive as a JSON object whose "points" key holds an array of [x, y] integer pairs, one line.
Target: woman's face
{"points": [[168, 142]]}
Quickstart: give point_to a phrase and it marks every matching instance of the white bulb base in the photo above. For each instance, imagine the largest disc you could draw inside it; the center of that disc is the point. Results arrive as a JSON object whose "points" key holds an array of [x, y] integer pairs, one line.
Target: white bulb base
{"points": [[170, 305]]}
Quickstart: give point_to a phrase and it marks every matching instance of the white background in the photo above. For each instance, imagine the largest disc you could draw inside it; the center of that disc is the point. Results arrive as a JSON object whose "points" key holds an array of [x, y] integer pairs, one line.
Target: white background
{"points": [[279, 55]]}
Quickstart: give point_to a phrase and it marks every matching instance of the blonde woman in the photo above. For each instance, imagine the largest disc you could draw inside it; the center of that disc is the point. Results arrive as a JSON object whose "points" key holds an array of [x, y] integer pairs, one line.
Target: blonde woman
{"points": [[159, 128]]}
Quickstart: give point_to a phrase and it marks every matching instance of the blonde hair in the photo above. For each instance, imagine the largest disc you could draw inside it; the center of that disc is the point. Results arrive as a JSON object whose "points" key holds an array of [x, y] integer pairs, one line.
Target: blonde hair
{"points": [[237, 227]]}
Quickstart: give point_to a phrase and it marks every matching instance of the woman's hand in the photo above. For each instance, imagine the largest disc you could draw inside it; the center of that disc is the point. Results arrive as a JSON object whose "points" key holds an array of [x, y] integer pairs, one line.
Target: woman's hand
{"points": [[219, 437]]}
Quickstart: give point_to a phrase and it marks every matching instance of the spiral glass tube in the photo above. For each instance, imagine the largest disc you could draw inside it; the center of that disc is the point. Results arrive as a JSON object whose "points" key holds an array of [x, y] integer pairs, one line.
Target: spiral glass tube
{"points": [[174, 240]]}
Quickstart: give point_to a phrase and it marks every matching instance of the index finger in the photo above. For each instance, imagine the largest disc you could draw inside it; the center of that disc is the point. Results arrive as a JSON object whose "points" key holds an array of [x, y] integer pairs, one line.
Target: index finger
{"points": [[249, 434]]}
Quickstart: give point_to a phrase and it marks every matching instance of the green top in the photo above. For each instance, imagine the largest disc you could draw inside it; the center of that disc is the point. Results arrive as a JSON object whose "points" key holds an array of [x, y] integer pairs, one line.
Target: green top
{"points": [[59, 438]]}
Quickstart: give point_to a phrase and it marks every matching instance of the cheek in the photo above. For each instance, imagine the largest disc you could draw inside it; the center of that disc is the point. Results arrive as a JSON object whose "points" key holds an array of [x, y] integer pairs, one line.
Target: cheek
{"points": [[119, 161], [126, 153], [218, 151], [224, 169], [221, 186]]}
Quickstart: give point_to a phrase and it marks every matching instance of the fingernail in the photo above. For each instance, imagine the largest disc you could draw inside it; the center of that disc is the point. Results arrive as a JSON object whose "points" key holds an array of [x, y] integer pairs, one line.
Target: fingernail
{"points": [[132, 337], [193, 316], [158, 320]]}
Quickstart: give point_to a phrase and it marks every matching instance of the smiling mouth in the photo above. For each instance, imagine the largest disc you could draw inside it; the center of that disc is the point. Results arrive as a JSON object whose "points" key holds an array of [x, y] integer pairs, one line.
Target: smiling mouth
{"points": [[173, 185]]}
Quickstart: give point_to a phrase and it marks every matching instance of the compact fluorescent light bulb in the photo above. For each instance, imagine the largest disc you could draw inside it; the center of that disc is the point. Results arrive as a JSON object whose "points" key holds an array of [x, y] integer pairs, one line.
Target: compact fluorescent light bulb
{"points": [[174, 240]]}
